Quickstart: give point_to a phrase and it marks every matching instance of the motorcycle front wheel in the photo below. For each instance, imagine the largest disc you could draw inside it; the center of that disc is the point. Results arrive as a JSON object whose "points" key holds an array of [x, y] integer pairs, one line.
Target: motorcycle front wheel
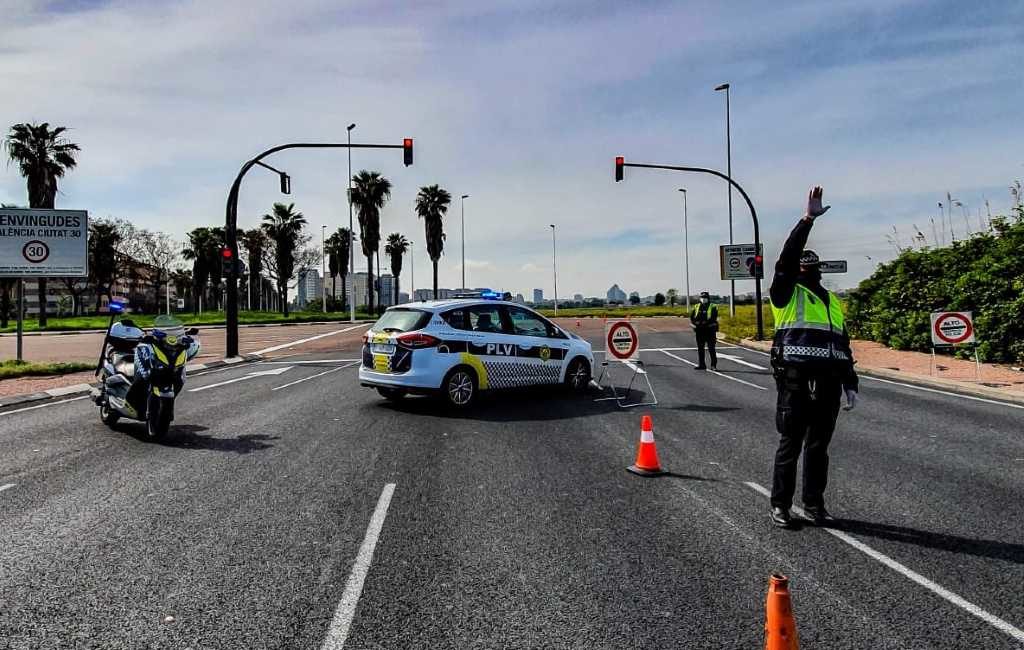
{"points": [[109, 416], [158, 418]]}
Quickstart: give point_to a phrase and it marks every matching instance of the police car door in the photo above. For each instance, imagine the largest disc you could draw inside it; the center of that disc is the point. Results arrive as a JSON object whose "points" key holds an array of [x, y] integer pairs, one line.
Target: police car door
{"points": [[539, 350]]}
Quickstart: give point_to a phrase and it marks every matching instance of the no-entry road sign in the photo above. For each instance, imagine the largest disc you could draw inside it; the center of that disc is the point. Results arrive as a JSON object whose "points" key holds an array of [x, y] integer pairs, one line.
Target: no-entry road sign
{"points": [[621, 340], [952, 327], [43, 243]]}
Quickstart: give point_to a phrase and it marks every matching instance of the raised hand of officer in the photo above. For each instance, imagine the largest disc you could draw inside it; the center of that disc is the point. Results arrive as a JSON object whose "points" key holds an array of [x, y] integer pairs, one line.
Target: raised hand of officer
{"points": [[814, 207]]}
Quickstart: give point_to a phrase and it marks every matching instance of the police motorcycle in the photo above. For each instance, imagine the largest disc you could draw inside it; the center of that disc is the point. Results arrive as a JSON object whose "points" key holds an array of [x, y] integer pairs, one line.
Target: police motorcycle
{"points": [[141, 373]]}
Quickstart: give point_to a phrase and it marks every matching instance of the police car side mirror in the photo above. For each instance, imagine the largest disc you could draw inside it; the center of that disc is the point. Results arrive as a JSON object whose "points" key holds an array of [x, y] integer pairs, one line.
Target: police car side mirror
{"points": [[192, 331]]}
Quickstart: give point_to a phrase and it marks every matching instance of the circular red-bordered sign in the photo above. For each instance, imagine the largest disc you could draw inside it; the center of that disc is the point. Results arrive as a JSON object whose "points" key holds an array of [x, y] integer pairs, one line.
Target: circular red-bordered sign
{"points": [[35, 251], [622, 340], [953, 332]]}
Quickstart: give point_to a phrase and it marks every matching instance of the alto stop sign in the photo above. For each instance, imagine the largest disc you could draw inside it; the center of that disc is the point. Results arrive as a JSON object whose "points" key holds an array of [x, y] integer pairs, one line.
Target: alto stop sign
{"points": [[952, 327], [621, 340]]}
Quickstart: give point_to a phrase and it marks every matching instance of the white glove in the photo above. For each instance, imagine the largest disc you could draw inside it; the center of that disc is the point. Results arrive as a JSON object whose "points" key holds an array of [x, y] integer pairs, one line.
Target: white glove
{"points": [[851, 399], [814, 209]]}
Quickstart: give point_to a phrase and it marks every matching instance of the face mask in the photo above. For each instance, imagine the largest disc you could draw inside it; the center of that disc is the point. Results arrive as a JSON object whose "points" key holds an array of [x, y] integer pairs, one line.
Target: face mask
{"points": [[812, 276], [705, 300]]}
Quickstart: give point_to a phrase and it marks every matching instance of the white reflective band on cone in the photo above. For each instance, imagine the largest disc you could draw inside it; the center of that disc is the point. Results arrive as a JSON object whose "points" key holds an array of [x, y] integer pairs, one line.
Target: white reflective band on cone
{"points": [[646, 436]]}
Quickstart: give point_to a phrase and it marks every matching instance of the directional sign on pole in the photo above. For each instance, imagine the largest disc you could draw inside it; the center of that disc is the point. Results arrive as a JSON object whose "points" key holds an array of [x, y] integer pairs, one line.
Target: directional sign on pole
{"points": [[737, 260], [832, 266], [43, 243], [952, 328]]}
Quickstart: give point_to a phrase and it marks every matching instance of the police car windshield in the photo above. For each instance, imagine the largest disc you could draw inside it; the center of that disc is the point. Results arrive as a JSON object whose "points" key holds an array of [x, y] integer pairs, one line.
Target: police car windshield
{"points": [[402, 320]]}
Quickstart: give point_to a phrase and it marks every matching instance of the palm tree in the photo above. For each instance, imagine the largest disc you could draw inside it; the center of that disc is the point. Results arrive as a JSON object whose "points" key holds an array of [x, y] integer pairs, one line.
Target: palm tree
{"points": [[203, 251], [255, 242], [338, 248], [370, 192], [283, 226], [395, 248], [431, 205], [43, 155], [103, 241]]}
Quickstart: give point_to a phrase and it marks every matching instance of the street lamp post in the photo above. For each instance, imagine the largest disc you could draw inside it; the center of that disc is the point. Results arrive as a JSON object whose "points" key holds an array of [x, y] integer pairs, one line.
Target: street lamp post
{"points": [[554, 266], [464, 197], [351, 234], [728, 173], [686, 251], [323, 266]]}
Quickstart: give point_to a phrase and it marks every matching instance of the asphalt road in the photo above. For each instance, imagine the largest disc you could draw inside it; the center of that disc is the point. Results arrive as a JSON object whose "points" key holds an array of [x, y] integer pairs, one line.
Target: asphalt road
{"points": [[278, 509]]}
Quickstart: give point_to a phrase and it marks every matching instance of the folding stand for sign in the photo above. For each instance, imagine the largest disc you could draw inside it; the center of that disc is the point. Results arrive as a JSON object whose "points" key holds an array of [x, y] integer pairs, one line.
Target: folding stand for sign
{"points": [[637, 367]]}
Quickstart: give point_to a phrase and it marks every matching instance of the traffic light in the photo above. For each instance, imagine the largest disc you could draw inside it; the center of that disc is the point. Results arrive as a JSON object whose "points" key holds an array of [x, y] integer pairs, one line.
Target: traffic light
{"points": [[227, 259], [407, 151], [758, 270], [620, 163], [286, 183]]}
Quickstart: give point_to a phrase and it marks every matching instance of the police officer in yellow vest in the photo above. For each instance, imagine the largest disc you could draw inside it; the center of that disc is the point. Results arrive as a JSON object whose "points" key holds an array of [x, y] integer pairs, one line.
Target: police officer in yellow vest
{"points": [[704, 319], [813, 367]]}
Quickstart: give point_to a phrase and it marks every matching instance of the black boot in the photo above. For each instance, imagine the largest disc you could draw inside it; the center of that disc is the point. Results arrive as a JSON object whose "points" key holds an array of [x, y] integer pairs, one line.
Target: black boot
{"points": [[819, 516], [781, 517]]}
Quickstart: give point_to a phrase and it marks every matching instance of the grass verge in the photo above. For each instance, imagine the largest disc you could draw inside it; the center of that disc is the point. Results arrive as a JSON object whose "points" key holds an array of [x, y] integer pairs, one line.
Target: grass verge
{"points": [[742, 325], [207, 318], [11, 369]]}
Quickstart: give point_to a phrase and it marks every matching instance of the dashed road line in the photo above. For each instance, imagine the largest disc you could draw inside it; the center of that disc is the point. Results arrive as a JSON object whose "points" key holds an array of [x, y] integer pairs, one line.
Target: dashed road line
{"points": [[714, 372], [346, 610], [289, 344], [7, 487], [910, 574]]}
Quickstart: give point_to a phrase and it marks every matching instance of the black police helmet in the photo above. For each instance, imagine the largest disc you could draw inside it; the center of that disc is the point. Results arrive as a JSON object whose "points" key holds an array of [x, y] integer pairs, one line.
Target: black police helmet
{"points": [[809, 258]]}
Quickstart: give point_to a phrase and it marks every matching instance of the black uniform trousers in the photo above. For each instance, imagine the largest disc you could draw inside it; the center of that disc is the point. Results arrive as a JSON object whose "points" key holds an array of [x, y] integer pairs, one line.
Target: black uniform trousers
{"points": [[805, 416], [706, 337]]}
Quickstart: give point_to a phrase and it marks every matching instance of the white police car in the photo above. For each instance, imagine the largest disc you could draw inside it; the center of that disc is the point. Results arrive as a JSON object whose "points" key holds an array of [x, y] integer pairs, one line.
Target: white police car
{"points": [[460, 347]]}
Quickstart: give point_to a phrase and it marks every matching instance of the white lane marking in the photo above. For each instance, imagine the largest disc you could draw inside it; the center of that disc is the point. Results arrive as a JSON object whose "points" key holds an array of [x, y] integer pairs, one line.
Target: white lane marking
{"points": [[943, 392], [7, 487], [910, 574], [311, 361], [251, 375], [346, 611], [319, 374], [311, 338], [42, 406], [714, 372], [651, 350], [741, 361], [635, 368]]}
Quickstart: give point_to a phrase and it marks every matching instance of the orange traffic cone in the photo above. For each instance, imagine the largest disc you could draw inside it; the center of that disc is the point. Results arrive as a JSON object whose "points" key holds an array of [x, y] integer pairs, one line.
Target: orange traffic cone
{"points": [[779, 625], [577, 322], [647, 454]]}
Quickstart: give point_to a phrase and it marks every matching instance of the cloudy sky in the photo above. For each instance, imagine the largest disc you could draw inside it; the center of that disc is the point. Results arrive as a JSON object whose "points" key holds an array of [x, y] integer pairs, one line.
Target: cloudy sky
{"points": [[523, 104]]}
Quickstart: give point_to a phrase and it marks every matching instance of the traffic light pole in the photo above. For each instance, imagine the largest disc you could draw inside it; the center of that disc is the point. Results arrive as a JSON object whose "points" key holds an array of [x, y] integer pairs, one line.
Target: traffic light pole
{"points": [[753, 215], [231, 219]]}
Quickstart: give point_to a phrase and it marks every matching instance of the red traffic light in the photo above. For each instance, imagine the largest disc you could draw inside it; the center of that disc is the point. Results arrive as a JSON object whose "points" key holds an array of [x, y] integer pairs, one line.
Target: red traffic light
{"points": [[226, 253], [407, 151], [620, 163]]}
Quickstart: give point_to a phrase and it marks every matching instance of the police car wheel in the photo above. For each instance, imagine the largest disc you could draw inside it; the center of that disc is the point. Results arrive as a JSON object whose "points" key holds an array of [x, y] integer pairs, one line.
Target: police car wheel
{"points": [[577, 376], [460, 387], [393, 394]]}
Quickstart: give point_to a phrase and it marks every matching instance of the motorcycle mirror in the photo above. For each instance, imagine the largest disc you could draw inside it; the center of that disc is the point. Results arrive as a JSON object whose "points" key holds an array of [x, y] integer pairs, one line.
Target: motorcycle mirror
{"points": [[192, 331]]}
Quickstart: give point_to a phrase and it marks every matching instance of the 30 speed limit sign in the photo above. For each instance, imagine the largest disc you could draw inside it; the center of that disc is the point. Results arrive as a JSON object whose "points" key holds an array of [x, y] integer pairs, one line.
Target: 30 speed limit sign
{"points": [[952, 327]]}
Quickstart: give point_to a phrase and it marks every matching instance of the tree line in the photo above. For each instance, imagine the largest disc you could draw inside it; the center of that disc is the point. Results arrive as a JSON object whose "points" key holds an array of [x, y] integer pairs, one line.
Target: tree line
{"points": [[273, 252]]}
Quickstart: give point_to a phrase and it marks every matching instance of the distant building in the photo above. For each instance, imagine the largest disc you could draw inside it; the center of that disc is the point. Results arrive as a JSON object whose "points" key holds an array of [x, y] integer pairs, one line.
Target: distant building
{"points": [[403, 297], [615, 294], [356, 288], [387, 289], [309, 287], [420, 295], [538, 296], [519, 299], [578, 297]]}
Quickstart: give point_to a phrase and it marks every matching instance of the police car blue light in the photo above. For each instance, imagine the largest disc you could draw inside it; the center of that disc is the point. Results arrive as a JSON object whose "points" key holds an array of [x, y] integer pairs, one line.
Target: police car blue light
{"points": [[457, 348]]}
